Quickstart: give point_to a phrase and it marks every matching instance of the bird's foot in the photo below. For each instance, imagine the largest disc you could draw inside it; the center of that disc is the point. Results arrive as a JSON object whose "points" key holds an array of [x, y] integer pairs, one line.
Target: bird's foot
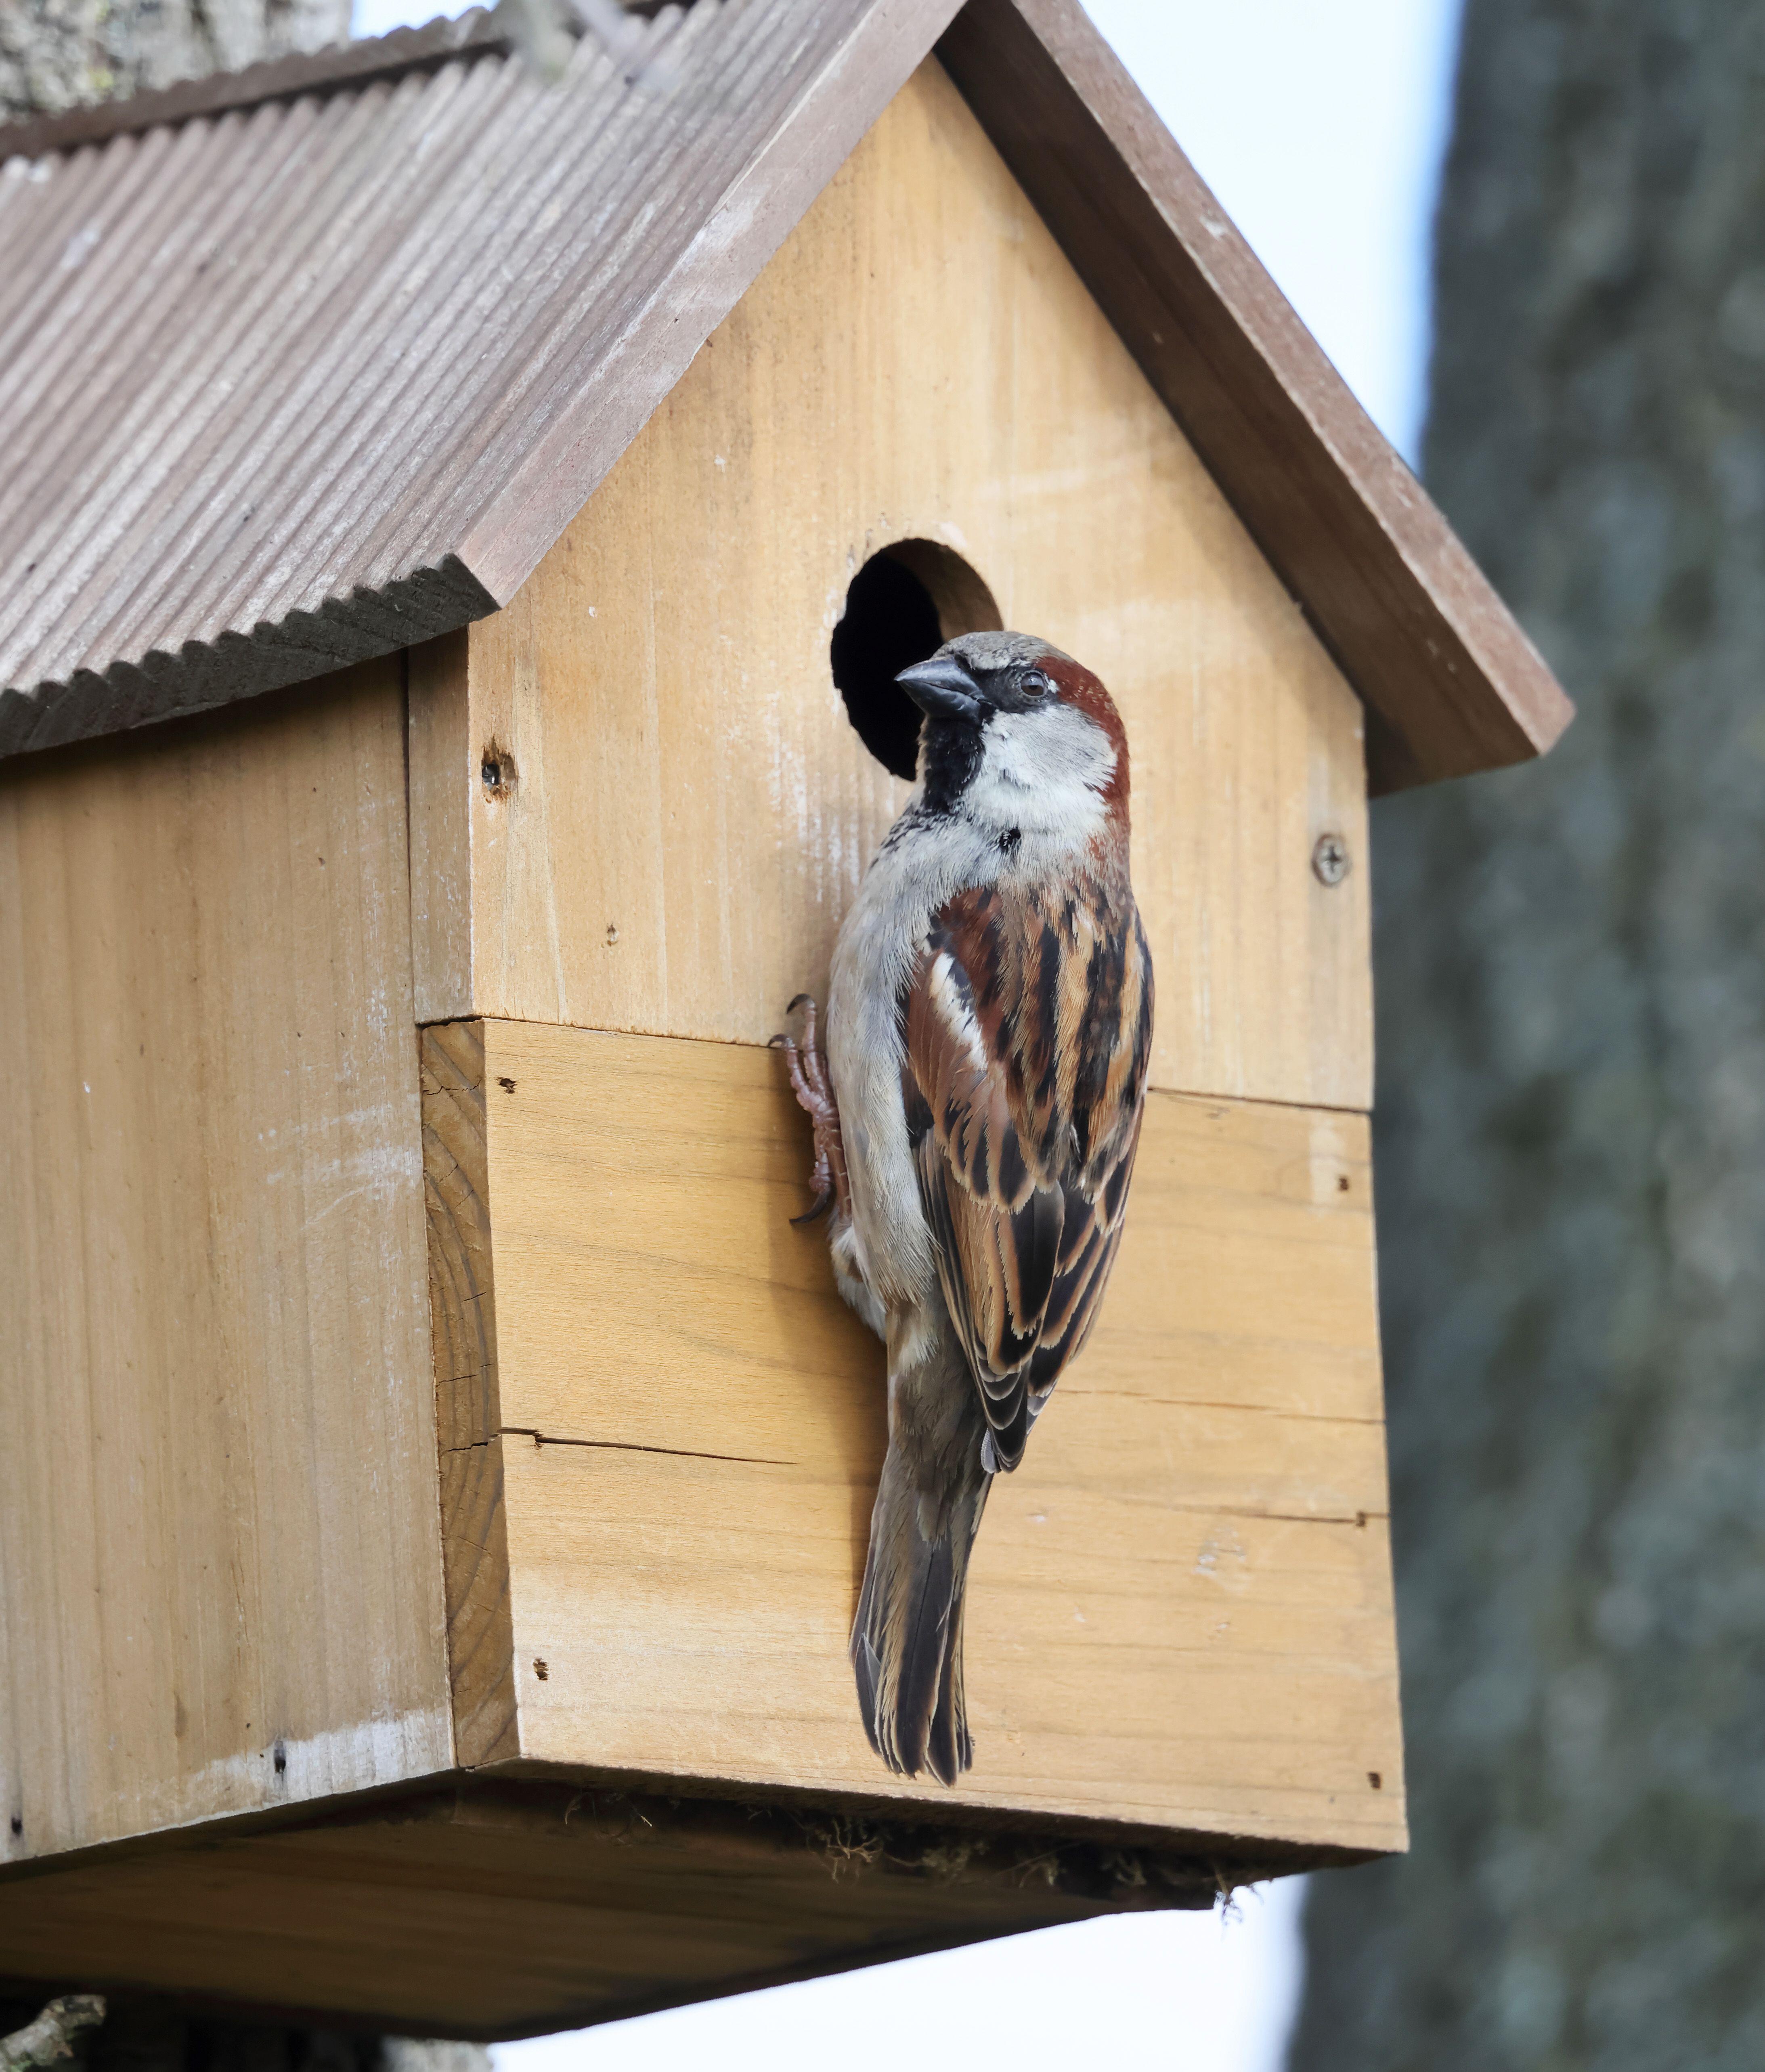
{"points": [[808, 1065]]}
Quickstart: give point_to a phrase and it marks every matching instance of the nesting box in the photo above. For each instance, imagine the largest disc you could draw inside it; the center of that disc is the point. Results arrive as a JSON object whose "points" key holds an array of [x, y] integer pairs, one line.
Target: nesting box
{"points": [[463, 532]]}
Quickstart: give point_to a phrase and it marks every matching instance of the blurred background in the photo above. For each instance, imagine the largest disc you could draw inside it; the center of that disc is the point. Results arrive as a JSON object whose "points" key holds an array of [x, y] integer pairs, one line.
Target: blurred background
{"points": [[1531, 233]]}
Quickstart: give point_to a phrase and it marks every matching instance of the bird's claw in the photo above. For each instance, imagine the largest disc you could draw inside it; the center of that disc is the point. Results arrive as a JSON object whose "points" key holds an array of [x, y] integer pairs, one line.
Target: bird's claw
{"points": [[814, 1089]]}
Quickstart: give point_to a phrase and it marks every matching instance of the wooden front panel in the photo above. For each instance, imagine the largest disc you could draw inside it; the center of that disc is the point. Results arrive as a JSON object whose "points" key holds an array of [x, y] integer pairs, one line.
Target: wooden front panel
{"points": [[218, 1540], [1180, 1610], [686, 810]]}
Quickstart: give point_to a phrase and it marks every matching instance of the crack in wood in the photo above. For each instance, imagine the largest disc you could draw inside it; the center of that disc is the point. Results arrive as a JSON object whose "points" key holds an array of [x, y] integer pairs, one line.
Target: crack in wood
{"points": [[632, 1446]]}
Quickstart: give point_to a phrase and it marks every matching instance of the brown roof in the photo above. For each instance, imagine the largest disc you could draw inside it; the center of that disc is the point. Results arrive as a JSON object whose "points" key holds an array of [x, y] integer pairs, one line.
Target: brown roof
{"points": [[310, 363]]}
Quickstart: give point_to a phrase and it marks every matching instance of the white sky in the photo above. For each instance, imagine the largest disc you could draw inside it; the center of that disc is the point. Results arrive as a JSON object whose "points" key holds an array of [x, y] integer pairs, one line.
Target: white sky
{"points": [[1319, 125]]}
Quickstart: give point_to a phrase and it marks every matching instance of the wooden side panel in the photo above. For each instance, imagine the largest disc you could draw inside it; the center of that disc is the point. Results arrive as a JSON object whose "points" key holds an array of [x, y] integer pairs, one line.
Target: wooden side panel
{"points": [[468, 1415], [1180, 1610], [687, 810], [219, 1536]]}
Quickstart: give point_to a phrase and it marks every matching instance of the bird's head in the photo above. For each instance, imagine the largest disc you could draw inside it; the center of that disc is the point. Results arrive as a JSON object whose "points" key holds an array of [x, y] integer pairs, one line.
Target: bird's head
{"points": [[1017, 733]]}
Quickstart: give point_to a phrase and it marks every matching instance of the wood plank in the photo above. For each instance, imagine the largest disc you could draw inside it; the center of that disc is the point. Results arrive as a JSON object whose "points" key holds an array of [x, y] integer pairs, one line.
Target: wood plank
{"points": [[468, 1413], [220, 1540], [1453, 683], [1180, 1611], [532, 1907], [691, 811], [441, 773]]}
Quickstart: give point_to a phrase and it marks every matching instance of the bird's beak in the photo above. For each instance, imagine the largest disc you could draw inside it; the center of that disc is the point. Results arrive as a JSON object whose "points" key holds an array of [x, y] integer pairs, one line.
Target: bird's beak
{"points": [[941, 688]]}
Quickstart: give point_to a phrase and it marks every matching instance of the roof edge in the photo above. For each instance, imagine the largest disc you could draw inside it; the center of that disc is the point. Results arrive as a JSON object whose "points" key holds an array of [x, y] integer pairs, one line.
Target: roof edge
{"points": [[204, 675], [1451, 684], [275, 79], [765, 200]]}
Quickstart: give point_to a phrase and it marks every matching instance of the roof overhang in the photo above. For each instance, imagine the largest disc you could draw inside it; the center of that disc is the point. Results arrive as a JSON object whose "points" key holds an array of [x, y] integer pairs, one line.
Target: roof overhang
{"points": [[137, 586]]}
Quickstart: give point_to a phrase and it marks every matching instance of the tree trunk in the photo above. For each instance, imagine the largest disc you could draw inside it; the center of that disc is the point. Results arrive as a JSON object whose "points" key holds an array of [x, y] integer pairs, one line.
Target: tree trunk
{"points": [[1571, 1134], [56, 54], [150, 2034]]}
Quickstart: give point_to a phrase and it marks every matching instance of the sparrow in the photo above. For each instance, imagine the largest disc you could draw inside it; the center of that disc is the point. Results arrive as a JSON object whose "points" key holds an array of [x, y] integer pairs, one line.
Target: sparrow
{"points": [[976, 1107]]}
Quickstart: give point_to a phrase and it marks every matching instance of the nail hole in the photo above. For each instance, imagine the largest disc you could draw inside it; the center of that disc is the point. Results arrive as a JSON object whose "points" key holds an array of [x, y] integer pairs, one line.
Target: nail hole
{"points": [[904, 604], [496, 771], [1342, 1183], [18, 1825], [612, 931], [506, 1085], [541, 1668], [1375, 1780], [280, 1759]]}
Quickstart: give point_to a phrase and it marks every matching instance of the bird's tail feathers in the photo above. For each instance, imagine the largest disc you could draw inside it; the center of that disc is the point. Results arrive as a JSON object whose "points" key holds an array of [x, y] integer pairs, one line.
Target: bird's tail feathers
{"points": [[907, 1639]]}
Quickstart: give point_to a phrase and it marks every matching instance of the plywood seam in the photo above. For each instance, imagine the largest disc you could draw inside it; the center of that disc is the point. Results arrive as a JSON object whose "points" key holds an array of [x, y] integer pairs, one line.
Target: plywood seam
{"points": [[1212, 1097]]}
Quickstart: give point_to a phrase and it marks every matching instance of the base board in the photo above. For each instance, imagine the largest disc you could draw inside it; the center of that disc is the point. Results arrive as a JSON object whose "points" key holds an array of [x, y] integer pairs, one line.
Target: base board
{"points": [[501, 1908]]}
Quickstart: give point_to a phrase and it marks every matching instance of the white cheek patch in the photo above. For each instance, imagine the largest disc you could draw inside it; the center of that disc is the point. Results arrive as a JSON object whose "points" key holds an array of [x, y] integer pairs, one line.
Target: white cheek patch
{"points": [[1042, 772]]}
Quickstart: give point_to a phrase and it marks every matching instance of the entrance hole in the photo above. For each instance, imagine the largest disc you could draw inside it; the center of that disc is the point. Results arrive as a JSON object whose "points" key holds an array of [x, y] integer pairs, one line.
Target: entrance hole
{"points": [[904, 603]]}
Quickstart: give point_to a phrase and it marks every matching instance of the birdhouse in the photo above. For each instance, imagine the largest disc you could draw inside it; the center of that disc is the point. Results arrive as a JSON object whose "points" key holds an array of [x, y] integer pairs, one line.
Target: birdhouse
{"points": [[461, 533]]}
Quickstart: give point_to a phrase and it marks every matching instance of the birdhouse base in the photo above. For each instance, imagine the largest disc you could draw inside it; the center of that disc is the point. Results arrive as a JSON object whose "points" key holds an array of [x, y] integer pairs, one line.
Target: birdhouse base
{"points": [[500, 1909]]}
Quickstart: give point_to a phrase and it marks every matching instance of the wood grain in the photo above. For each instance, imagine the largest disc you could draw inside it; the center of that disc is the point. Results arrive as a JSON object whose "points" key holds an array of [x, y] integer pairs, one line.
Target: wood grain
{"points": [[491, 1912], [1453, 684], [692, 810], [1180, 1612], [219, 1536], [468, 1414], [442, 775]]}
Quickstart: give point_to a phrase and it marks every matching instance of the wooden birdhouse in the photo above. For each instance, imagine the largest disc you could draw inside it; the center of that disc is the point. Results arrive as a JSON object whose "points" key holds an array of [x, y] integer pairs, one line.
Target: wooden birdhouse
{"points": [[459, 535]]}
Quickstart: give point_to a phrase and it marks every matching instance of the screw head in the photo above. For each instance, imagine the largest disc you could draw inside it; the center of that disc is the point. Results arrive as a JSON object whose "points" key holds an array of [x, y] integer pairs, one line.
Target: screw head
{"points": [[1330, 860]]}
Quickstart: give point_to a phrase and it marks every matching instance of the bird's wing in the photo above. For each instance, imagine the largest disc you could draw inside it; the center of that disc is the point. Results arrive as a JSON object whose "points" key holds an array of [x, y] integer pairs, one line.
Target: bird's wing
{"points": [[1028, 1025]]}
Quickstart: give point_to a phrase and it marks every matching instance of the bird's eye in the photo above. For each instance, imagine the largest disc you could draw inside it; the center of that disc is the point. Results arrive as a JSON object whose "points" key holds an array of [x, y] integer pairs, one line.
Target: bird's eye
{"points": [[1035, 684]]}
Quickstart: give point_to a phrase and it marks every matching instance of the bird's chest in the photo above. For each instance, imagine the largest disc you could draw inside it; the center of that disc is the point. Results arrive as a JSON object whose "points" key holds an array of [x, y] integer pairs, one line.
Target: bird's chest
{"points": [[916, 873]]}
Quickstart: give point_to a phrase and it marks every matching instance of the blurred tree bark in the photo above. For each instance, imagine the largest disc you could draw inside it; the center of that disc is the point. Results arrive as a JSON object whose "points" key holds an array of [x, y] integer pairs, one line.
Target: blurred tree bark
{"points": [[145, 2034], [1571, 1135], [56, 54]]}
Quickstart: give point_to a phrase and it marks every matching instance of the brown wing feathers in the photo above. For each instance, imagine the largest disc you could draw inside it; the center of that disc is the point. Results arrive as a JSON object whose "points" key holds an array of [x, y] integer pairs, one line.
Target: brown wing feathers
{"points": [[1026, 1027]]}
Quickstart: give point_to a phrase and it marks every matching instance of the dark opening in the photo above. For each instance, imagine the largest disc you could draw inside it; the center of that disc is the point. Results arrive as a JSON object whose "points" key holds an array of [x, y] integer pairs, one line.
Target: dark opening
{"points": [[903, 605]]}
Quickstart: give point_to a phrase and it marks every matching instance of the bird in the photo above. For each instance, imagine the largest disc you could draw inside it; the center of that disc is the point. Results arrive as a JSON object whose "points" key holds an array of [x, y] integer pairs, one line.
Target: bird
{"points": [[975, 1091]]}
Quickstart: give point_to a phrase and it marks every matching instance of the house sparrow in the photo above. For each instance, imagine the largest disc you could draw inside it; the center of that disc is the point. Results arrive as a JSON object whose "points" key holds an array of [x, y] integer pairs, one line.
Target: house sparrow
{"points": [[976, 1112]]}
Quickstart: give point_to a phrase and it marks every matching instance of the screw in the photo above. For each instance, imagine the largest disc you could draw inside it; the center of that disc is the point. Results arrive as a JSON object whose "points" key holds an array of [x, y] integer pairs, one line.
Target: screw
{"points": [[1330, 863]]}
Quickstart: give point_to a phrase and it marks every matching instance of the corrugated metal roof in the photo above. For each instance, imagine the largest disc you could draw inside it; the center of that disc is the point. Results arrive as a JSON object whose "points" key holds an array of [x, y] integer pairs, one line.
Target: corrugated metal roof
{"points": [[288, 384], [309, 363]]}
